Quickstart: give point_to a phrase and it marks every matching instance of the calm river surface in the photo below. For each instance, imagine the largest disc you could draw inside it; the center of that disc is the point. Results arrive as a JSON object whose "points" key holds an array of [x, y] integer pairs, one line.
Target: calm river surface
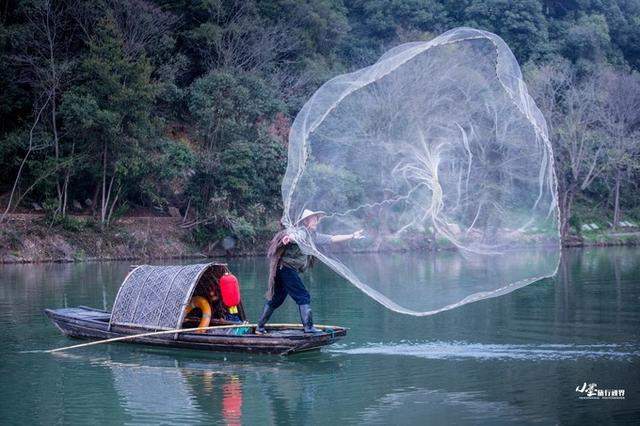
{"points": [[513, 359]]}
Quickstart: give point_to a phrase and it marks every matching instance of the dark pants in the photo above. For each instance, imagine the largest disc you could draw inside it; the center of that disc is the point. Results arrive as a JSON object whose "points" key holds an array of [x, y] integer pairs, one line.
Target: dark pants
{"points": [[288, 282]]}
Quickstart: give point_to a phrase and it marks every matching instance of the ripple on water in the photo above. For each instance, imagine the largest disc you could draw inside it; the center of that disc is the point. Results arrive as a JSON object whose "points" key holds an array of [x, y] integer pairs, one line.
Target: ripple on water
{"points": [[464, 350]]}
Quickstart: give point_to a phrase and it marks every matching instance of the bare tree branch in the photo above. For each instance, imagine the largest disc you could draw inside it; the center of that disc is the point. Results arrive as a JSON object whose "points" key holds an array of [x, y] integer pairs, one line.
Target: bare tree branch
{"points": [[26, 156]]}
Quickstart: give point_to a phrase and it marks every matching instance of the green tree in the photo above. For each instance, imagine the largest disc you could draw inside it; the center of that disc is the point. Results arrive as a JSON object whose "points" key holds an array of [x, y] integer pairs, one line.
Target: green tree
{"points": [[241, 162], [108, 114], [588, 39], [380, 24], [521, 24]]}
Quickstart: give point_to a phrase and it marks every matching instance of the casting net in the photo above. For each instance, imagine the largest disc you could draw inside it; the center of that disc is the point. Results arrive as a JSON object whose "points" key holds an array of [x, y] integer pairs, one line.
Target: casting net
{"points": [[440, 155]]}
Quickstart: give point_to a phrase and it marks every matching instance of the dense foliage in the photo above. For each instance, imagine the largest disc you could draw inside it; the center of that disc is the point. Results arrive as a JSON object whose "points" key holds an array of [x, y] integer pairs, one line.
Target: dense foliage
{"points": [[111, 105]]}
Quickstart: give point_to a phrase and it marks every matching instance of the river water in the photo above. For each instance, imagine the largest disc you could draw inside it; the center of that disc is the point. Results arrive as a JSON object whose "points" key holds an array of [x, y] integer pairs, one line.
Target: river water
{"points": [[513, 359]]}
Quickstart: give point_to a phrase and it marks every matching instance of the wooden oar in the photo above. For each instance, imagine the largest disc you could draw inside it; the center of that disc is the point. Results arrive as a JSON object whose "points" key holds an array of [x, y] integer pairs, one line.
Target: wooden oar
{"points": [[153, 333], [178, 330]]}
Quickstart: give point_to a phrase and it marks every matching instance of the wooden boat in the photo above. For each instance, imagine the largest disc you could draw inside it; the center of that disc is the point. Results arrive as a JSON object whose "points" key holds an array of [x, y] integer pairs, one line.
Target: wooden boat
{"points": [[153, 299]]}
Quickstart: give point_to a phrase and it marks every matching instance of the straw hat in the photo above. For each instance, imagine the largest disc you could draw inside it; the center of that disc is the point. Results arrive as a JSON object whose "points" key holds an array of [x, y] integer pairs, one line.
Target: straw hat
{"points": [[306, 213]]}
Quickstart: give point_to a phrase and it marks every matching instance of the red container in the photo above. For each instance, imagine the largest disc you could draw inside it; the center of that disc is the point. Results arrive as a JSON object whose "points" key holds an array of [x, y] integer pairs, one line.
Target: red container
{"points": [[230, 290]]}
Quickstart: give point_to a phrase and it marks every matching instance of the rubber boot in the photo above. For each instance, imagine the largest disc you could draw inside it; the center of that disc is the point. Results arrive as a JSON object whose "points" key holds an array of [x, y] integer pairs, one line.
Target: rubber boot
{"points": [[307, 319], [266, 314]]}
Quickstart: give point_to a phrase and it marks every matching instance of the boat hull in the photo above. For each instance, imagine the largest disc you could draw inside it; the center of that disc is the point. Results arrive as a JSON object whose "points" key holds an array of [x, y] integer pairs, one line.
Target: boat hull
{"points": [[93, 324]]}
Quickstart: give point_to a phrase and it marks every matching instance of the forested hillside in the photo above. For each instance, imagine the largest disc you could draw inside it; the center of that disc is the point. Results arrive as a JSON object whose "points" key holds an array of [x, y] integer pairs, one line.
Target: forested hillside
{"points": [[110, 107]]}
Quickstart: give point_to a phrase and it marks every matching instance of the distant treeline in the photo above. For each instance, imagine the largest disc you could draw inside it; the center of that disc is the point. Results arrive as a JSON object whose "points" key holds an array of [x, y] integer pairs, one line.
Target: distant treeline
{"points": [[113, 105]]}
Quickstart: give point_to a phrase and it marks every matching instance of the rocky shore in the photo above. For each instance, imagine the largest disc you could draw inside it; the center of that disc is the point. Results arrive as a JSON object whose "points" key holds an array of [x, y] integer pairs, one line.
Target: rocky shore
{"points": [[26, 238]]}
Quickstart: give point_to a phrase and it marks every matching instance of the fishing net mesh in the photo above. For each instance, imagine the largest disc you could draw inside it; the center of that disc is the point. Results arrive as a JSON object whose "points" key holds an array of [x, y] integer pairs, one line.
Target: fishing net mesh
{"points": [[440, 155]]}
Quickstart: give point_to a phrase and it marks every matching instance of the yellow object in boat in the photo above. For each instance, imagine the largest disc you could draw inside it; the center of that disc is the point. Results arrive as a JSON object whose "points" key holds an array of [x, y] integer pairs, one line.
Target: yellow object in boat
{"points": [[202, 304]]}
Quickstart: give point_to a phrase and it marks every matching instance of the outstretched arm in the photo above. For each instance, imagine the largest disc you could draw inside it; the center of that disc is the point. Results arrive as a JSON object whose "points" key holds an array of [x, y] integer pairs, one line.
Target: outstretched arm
{"points": [[348, 237], [324, 239]]}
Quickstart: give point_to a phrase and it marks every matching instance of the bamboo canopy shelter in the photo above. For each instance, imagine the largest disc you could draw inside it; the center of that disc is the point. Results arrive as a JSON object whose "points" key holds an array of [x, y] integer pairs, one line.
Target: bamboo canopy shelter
{"points": [[155, 297]]}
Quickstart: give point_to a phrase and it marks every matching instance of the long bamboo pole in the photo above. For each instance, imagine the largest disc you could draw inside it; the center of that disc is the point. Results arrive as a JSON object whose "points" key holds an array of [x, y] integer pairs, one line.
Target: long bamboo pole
{"points": [[177, 330]]}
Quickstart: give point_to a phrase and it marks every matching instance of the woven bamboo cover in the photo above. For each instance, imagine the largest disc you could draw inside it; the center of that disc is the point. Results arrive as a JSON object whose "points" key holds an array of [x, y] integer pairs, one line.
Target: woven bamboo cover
{"points": [[155, 296]]}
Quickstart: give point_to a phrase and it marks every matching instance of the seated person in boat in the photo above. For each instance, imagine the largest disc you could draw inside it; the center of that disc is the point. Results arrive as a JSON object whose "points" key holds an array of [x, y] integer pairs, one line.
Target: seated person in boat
{"points": [[222, 296], [287, 261]]}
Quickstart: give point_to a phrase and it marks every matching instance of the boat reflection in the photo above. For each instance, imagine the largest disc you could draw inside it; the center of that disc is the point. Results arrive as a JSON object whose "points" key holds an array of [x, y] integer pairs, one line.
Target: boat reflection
{"points": [[163, 387], [159, 387], [232, 400], [154, 395]]}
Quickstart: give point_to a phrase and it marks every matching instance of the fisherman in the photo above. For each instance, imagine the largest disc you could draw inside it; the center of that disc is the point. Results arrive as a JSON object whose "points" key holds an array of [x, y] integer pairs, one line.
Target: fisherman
{"points": [[286, 261]]}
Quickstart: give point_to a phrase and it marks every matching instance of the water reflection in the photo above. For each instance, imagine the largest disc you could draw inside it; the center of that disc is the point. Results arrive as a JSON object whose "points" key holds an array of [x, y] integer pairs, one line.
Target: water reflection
{"points": [[153, 395], [469, 408], [165, 386], [432, 282], [516, 357], [232, 400]]}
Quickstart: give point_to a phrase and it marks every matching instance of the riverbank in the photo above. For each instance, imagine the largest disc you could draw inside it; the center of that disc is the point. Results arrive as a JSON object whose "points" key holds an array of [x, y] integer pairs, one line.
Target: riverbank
{"points": [[29, 238]]}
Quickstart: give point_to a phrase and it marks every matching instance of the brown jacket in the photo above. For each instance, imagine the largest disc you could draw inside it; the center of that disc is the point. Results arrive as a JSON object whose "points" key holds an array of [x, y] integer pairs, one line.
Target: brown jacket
{"points": [[274, 253]]}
